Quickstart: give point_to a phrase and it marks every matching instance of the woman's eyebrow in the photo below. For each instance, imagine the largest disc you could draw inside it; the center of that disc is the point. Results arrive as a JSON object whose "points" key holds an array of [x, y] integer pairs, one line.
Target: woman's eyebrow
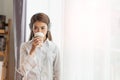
{"points": [[35, 26], [38, 26], [42, 26]]}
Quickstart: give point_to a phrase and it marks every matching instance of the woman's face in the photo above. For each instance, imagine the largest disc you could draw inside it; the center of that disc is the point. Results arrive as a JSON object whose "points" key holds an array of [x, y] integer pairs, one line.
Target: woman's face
{"points": [[39, 26]]}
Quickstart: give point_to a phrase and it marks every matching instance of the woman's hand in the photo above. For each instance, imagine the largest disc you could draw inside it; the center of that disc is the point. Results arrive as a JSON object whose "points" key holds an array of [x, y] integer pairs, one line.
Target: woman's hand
{"points": [[37, 41]]}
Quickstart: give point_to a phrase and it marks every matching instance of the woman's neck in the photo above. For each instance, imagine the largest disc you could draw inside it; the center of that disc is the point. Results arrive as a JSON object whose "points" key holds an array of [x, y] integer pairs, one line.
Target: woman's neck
{"points": [[44, 39]]}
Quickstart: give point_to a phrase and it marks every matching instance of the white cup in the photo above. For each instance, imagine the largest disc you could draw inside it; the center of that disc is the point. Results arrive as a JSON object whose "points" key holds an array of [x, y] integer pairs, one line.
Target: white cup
{"points": [[39, 34]]}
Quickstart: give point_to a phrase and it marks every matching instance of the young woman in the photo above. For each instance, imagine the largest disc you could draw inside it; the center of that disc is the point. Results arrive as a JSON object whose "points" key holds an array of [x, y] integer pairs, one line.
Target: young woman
{"points": [[39, 57]]}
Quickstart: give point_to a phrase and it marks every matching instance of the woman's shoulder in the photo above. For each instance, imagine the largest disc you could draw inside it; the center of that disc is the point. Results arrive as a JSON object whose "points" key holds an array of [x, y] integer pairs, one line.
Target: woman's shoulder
{"points": [[26, 44], [50, 44]]}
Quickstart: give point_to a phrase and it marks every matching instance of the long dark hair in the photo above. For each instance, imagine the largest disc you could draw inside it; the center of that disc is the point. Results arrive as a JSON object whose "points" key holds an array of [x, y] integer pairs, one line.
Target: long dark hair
{"points": [[43, 18]]}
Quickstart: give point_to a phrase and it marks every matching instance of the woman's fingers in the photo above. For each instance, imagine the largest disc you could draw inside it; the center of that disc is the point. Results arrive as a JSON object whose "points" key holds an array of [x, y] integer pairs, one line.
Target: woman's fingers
{"points": [[37, 41]]}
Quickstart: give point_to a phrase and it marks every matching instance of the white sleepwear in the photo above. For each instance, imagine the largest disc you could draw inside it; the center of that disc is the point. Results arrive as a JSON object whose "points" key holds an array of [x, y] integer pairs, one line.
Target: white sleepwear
{"points": [[43, 65]]}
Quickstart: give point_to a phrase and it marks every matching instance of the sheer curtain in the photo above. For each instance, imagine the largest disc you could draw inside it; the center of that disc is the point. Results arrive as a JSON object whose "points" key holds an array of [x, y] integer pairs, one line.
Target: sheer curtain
{"points": [[92, 40], [19, 26], [86, 54]]}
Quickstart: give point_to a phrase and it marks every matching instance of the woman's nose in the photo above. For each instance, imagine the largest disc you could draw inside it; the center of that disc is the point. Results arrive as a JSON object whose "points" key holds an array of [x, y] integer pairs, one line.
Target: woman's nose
{"points": [[39, 30]]}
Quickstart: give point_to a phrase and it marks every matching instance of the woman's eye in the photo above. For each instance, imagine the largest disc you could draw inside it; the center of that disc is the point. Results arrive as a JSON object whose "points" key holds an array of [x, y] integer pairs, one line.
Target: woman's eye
{"points": [[35, 28], [42, 28]]}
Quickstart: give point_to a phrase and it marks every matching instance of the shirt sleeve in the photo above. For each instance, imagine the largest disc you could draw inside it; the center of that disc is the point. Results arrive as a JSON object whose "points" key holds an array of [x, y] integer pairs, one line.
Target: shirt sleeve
{"points": [[27, 61], [56, 65]]}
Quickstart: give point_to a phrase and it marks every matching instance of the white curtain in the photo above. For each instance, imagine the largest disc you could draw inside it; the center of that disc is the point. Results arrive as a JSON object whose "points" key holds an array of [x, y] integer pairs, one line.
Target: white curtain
{"points": [[91, 41]]}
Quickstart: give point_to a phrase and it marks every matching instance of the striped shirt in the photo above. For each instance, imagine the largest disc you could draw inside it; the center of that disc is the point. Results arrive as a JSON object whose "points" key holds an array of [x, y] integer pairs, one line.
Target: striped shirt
{"points": [[43, 65]]}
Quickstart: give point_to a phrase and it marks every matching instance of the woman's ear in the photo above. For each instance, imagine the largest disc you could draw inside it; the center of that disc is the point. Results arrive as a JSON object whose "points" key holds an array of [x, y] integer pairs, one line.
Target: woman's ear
{"points": [[49, 25]]}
